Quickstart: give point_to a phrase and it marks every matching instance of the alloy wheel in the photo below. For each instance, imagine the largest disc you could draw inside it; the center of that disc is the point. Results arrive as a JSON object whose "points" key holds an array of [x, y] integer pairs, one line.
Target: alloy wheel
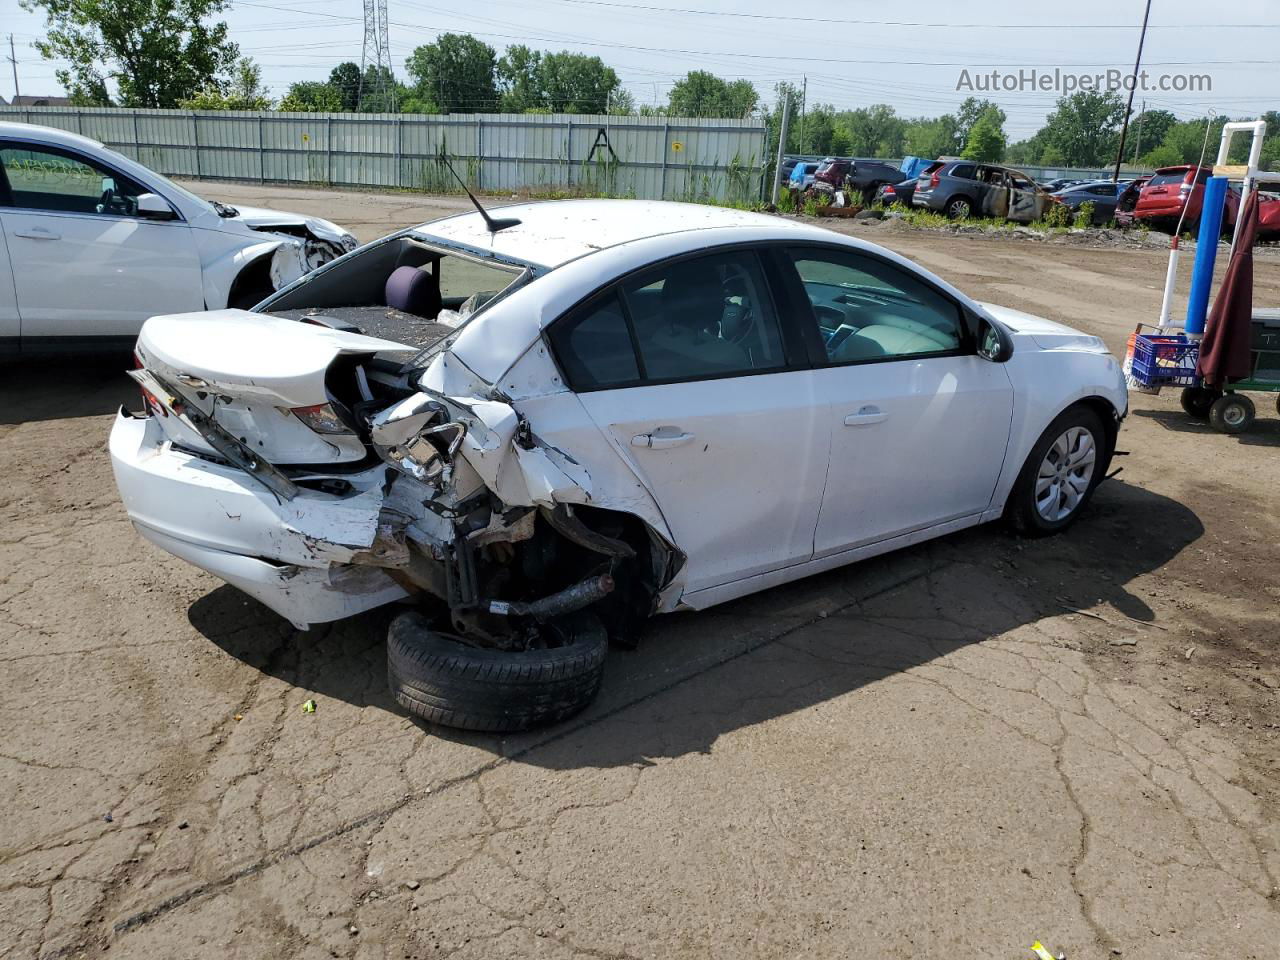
{"points": [[1065, 474]]}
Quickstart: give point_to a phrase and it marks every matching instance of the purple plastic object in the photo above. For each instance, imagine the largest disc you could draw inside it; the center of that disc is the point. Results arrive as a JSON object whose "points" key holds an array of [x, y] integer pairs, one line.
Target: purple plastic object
{"points": [[413, 291]]}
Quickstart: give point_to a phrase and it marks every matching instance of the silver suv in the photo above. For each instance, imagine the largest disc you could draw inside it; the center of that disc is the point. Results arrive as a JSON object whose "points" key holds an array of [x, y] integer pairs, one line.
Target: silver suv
{"points": [[963, 188]]}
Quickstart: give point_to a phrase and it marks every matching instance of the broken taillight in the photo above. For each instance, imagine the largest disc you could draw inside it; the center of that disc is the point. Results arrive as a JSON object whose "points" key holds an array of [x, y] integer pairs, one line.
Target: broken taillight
{"points": [[150, 402], [322, 418]]}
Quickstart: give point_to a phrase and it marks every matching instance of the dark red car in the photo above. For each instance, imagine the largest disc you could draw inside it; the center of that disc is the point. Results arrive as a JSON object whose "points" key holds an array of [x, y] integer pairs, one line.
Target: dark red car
{"points": [[1171, 188]]}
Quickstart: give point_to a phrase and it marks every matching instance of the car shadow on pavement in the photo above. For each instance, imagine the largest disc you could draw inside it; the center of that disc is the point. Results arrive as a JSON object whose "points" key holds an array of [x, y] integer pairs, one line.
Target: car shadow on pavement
{"points": [[698, 676], [1263, 432], [48, 388]]}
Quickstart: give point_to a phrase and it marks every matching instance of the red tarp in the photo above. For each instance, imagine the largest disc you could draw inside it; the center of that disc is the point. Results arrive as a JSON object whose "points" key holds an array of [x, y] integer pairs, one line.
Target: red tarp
{"points": [[1224, 352]]}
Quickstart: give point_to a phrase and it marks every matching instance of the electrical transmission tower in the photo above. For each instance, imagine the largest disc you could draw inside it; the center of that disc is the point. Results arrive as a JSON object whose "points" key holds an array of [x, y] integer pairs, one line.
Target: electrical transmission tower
{"points": [[377, 55]]}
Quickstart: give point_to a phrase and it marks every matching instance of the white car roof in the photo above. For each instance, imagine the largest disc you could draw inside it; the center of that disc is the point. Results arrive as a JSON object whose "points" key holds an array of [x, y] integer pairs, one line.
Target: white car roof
{"points": [[552, 233], [62, 138]]}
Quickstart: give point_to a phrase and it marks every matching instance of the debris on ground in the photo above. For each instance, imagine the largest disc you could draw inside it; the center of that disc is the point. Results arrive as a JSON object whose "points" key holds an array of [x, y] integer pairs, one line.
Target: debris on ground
{"points": [[309, 706]]}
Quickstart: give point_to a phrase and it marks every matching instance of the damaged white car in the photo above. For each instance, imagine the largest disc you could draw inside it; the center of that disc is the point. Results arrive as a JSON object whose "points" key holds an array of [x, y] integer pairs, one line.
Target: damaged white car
{"points": [[541, 430], [92, 243]]}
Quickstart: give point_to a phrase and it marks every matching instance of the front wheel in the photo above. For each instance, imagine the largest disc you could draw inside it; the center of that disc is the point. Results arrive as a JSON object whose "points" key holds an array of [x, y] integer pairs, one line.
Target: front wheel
{"points": [[1060, 475]]}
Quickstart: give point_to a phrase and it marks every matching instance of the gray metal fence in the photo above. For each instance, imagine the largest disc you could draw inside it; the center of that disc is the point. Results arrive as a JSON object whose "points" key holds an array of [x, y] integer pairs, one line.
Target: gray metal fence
{"points": [[667, 158]]}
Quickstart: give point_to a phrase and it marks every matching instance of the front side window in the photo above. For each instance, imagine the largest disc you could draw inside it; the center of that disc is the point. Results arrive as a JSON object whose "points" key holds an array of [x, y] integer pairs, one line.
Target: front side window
{"points": [[689, 320], [45, 179], [868, 309]]}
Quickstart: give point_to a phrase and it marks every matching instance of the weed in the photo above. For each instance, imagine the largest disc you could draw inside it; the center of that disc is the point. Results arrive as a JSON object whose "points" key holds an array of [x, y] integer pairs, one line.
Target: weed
{"points": [[1084, 216]]}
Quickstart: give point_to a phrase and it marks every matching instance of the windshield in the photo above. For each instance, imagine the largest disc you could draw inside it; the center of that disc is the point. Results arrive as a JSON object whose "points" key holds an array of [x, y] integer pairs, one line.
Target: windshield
{"points": [[162, 180]]}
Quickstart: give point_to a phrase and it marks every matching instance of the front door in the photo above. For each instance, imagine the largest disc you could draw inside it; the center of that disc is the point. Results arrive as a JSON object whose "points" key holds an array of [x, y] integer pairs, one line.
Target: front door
{"points": [[684, 370], [85, 265], [918, 422]]}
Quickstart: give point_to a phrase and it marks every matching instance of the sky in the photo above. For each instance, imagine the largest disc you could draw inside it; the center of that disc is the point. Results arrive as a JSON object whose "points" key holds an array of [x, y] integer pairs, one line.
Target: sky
{"points": [[852, 53]]}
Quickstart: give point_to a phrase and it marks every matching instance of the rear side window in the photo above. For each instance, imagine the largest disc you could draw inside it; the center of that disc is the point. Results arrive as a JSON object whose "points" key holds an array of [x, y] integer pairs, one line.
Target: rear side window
{"points": [[695, 319], [963, 170], [595, 349]]}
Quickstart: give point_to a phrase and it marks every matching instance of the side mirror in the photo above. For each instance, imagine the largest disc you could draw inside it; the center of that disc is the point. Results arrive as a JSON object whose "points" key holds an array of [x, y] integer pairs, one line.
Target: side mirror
{"points": [[994, 342], [153, 207]]}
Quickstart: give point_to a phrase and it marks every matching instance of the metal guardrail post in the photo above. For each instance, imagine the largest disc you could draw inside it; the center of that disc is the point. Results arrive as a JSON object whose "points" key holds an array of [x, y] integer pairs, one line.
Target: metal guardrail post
{"points": [[479, 153], [399, 181], [666, 145], [262, 154], [195, 141], [137, 142], [568, 153], [328, 149]]}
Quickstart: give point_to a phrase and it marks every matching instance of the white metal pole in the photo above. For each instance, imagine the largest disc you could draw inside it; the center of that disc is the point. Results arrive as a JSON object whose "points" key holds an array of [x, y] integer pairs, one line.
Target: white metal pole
{"points": [[783, 130], [1170, 278]]}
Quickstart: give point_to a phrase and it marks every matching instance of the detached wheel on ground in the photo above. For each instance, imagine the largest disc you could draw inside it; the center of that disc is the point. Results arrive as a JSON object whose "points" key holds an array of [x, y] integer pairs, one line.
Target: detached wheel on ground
{"points": [[1232, 413], [437, 676], [1196, 401], [1060, 475]]}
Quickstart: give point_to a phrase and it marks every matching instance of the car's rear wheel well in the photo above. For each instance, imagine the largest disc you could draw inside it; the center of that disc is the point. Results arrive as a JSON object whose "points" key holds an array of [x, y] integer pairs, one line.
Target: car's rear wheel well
{"points": [[252, 284]]}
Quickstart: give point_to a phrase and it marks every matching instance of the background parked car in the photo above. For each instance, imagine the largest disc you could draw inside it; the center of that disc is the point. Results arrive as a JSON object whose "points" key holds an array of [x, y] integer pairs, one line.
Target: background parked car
{"points": [[856, 176], [891, 193], [98, 243], [1063, 183], [1103, 194], [802, 175], [1127, 200], [962, 188], [1163, 197]]}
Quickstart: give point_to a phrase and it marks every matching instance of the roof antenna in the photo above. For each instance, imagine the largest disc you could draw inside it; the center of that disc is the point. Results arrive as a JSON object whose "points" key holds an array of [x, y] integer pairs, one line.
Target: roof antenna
{"points": [[494, 225]]}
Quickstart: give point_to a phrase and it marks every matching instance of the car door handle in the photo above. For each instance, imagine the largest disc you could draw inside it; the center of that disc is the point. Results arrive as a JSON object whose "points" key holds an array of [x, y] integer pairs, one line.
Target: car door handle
{"points": [[36, 233], [660, 441], [865, 416]]}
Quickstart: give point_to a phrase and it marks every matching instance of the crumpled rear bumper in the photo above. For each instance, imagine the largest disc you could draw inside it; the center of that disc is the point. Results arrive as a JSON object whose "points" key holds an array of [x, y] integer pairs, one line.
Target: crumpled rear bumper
{"points": [[294, 557]]}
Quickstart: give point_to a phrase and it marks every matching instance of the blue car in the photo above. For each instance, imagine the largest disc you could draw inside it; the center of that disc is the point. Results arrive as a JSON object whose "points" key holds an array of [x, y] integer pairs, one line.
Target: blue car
{"points": [[802, 175]]}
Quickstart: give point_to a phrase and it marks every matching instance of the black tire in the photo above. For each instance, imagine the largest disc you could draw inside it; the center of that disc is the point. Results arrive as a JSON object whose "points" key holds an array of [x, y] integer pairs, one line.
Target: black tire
{"points": [[441, 679], [1196, 401], [1021, 512], [959, 208], [1232, 413]]}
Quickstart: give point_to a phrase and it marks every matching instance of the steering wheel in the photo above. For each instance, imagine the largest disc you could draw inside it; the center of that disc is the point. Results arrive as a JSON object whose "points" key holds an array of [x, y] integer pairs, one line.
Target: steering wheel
{"points": [[112, 202]]}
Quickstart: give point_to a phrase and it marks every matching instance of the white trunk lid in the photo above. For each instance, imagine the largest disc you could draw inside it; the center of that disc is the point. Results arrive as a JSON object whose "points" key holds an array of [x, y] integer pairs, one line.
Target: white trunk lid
{"points": [[248, 372]]}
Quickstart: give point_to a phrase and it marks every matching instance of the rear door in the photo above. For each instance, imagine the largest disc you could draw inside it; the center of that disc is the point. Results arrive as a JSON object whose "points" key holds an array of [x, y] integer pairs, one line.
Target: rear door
{"points": [[85, 265], [687, 372]]}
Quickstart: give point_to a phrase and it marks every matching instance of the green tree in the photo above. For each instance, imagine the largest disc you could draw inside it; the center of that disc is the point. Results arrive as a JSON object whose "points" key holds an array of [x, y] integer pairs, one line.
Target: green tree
{"points": [[1161, 157], [1148, 129], [969, 113], [1084, 128], [379, 92], [931, 137], [345, 78], [875, 131], [623, 103], [783, 92], [156, 52], [818, 130], [243, 92], [456, 73], [517, 76], [703, 94], [1187, 138], [312, 96], [575, 83], [986, 140]]}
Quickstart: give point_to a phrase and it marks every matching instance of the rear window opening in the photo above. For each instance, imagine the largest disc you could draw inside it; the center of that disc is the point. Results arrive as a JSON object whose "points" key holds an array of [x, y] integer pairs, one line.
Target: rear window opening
{"points": [[405, 289]]}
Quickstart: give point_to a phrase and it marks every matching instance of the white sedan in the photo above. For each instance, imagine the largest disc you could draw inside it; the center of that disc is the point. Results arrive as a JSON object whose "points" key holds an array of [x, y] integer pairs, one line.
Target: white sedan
{"points": [[542, 430], [92, 243]]}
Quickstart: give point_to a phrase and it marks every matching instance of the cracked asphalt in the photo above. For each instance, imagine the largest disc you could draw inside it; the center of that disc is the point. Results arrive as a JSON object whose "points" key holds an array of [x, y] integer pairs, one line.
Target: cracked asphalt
{"points": [[951, 751]]}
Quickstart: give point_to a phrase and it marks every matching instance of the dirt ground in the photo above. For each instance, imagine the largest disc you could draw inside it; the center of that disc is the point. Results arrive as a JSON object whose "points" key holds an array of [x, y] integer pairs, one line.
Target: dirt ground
{"points": [[952, 751]]}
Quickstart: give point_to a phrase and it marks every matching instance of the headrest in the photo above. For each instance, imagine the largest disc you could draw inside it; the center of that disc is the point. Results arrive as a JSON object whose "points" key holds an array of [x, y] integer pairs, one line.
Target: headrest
{"points": [[413, 291]]}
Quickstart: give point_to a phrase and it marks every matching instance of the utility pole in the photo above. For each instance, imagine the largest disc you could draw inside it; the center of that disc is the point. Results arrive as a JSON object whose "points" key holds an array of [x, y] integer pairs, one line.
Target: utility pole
{"points": [[13, 60], [783, 130], [1142, 38], [1137, 143], [804, 103]]}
